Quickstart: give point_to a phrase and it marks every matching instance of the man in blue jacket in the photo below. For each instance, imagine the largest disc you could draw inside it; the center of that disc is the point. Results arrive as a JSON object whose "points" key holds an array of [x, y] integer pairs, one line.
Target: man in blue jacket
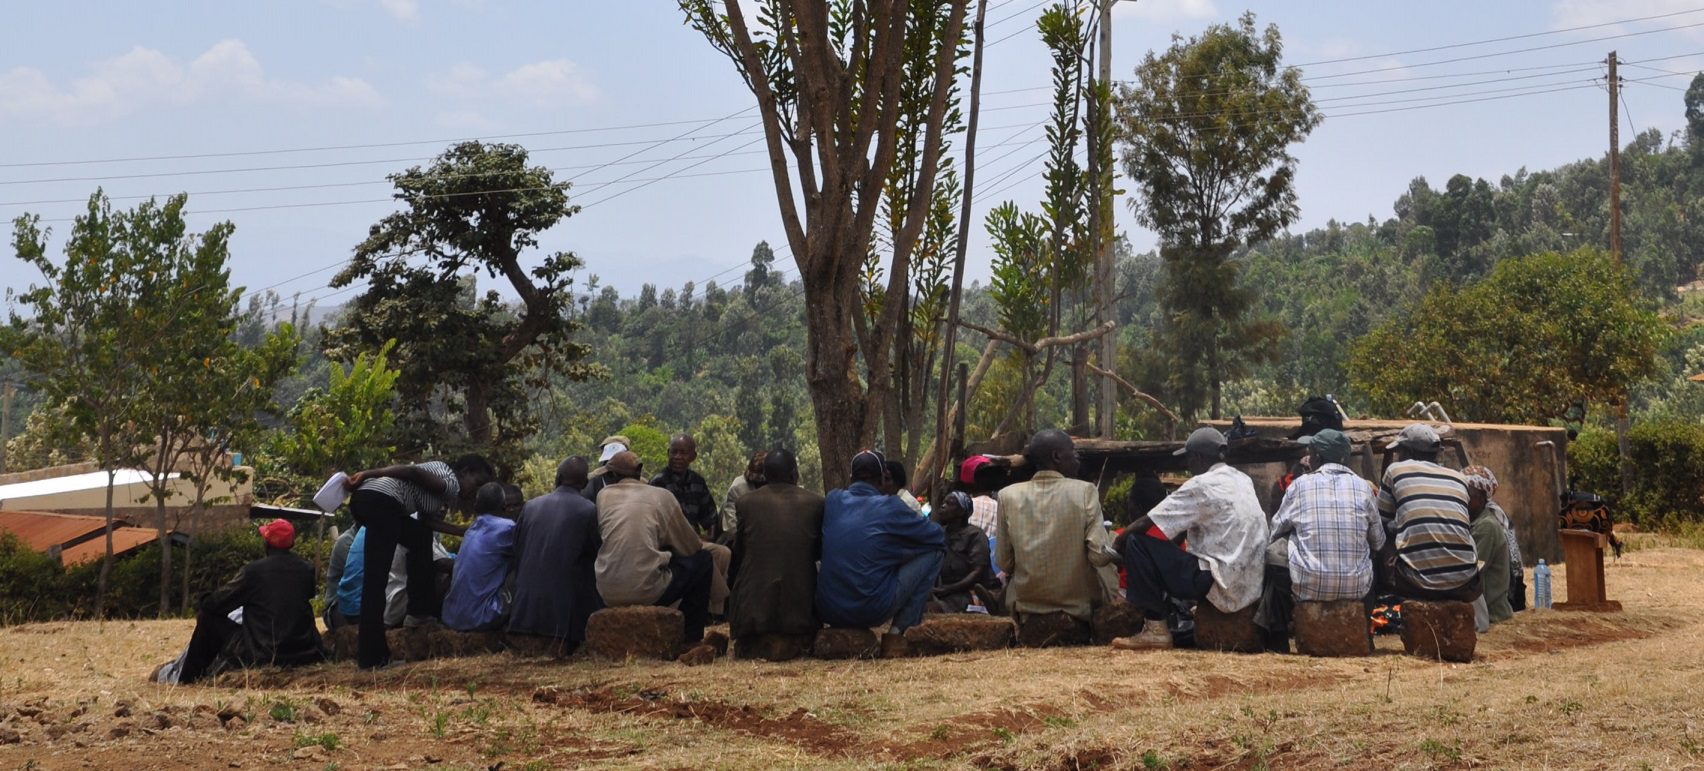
{"points": [[879, 559]]}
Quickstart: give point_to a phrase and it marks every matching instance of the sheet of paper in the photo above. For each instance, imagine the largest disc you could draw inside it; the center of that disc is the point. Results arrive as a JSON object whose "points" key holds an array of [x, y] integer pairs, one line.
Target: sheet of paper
{"points": [[333, 493]]}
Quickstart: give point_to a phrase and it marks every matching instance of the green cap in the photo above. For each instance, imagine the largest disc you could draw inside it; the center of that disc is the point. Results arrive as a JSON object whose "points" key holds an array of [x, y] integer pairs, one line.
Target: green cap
{"points": [[1329, 443]]}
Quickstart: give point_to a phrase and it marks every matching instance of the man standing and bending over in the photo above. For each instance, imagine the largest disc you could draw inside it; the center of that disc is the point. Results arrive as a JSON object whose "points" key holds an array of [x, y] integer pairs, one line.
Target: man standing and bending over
{"points": [[650, 555], [1052, 540], [879, 559], [402, 506], [1218, 513]]}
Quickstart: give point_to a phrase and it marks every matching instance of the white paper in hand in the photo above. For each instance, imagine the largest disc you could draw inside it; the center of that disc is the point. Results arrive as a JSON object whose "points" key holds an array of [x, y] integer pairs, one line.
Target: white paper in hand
{"points": [[333, 493]]}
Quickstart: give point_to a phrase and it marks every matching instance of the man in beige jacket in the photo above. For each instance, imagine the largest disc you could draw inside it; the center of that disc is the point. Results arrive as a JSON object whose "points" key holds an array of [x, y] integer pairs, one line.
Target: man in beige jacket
{"points": [[650, 554]]}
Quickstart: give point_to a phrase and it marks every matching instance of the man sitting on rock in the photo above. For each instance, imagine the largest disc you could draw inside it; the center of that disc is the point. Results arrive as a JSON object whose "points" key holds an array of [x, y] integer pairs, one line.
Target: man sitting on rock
{"points": [[556, 548], [1431, 555], [776, 548], [879, 559], [650, 554], [1324, 535], [263, 617], [1491, 543], [1052, 539], [1218, 513], [481, 586]]}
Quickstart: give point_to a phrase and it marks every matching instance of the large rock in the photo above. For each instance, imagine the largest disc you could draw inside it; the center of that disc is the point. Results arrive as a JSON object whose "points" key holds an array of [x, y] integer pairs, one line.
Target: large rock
{"points": [[1339, 628], [838, 643], [1216, 630], [958, 632], [1438, 630], [773, 647], [1047, 630], [1115, 620], [343, 642], [640, 631]]}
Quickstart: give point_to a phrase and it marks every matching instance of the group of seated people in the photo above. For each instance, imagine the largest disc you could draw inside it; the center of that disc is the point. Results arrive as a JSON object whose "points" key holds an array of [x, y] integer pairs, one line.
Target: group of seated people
{"points": [[778, 560]]}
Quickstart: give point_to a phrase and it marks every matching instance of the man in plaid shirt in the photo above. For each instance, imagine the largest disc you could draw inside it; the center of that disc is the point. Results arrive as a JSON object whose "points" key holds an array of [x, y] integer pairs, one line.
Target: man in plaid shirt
{"points": [[1330, 521]]}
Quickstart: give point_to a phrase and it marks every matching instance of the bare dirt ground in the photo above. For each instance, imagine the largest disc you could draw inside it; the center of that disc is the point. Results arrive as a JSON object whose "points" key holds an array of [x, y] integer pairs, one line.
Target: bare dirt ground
{"points": [[1549, 689]]}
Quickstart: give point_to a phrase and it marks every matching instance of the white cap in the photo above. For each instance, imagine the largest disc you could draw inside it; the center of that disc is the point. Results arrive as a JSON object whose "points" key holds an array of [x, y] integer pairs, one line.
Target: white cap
{"points": [[610, 450]]}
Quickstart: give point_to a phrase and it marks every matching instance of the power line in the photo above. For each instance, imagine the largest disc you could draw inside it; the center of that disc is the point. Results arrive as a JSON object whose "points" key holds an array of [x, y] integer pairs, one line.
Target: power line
{"points": [[1512, 52], [1506, 39]]}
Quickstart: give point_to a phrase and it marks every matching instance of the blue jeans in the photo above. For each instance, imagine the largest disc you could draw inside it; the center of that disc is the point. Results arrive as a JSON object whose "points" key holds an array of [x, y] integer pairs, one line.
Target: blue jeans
{"points": [[916, 580]]}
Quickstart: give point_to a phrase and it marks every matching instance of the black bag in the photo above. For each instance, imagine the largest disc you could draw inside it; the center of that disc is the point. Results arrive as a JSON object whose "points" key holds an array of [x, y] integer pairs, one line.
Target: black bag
{"points": [[1318, 413]]}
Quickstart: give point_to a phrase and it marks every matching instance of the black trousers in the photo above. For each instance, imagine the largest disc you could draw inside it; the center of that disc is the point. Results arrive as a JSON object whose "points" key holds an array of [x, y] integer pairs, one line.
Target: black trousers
{"points": [[388, 526], [213, 634], [689, 582], [1156, 571]]}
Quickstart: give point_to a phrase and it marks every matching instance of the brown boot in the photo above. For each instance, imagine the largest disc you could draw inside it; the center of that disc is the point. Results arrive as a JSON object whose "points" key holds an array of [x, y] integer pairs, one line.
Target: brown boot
{"points": [[1153, 637]]}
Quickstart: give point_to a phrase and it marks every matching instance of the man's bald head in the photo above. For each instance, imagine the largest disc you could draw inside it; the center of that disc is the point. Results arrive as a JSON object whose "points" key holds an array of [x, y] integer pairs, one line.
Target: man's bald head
{"points": [[683, 450], [572, 472], [1052, 450], [780, 466]]}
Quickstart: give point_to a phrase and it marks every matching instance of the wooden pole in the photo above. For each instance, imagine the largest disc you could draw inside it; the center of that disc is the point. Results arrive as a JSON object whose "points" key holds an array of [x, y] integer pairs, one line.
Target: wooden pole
{"points": [[1622, 422]]}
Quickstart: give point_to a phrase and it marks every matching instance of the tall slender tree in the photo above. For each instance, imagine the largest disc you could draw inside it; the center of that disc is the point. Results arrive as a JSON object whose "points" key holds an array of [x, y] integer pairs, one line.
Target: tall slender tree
{"points": [[1206, 131]]}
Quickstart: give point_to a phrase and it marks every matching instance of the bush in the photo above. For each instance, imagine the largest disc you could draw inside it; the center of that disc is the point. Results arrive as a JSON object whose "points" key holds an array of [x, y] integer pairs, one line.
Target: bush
{"points": [[1667, 458], [32, 586]]}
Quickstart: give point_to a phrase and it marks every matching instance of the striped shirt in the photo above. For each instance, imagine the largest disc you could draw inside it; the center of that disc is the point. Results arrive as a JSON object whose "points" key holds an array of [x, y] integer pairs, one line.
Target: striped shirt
{"points": [[1332, 519], [1427, 506], [413, 497]]}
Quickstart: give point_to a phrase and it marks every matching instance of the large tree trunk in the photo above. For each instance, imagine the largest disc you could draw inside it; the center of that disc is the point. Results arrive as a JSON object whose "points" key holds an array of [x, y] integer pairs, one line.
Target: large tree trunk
{"points": [[476, 417], [165, 554], [837, 397]]}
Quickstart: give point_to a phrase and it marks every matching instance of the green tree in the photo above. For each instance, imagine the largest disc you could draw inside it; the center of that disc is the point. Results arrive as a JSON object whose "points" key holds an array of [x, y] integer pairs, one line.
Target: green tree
{"points": [[96, 326], [1542, 335], [477, 209], [1206, 131], [346, 425]]}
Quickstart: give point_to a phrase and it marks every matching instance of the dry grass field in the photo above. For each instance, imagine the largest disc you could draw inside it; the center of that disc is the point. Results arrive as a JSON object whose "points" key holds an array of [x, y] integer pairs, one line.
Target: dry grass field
{"points": [[1547, 690]]}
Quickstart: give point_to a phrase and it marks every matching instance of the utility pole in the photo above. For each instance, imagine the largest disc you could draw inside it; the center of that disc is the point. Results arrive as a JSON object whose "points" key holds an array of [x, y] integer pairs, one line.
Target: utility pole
{"points": [[1622, 422], [1107, 410]]}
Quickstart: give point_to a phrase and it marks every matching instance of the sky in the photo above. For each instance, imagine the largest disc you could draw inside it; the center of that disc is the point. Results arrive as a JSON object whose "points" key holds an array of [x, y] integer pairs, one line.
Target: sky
{"points": [[285, 118]]}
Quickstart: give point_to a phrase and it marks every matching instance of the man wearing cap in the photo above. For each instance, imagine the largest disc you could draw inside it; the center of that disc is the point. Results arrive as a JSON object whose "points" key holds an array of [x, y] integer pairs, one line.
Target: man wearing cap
{"points": [[879, 559], [263, 617], [1430, 555], [606, 450], [1052, 539], [776, 549], [1324, 535], [983, 478], [556, 548], [650, 555], [1219, 514]]}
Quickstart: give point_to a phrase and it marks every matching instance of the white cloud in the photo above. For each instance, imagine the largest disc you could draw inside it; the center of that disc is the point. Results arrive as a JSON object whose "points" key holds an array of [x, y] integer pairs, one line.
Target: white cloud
{"points": [[465, 120], [543, 83], [1167, 10], [144, 78], [401, 10]]}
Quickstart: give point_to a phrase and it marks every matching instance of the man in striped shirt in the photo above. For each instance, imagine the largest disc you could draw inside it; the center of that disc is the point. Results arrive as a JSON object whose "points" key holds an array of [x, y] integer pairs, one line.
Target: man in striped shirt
{"points": [[1424, 505]]}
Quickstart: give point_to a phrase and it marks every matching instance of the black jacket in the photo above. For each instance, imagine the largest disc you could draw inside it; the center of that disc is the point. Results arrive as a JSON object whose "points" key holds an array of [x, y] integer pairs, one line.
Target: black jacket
{"points": [[276, 594]]}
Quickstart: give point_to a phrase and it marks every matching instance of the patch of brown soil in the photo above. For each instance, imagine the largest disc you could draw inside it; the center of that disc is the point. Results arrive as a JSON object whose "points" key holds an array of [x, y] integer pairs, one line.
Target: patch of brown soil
{"points": [[798, 727]]}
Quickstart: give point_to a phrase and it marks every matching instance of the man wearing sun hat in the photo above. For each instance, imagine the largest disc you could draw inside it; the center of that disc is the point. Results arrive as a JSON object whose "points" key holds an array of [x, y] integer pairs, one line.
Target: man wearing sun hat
{"points": [[263, 617]]}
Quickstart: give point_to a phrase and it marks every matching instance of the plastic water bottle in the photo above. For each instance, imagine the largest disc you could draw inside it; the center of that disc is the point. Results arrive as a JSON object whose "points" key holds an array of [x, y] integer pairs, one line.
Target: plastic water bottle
{"points": [[1541, 585]]}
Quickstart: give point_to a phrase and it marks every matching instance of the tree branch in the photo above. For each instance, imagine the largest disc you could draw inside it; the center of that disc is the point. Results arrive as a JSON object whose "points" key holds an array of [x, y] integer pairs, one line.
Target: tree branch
{"points": [[1136, 392], [1043, 343]]}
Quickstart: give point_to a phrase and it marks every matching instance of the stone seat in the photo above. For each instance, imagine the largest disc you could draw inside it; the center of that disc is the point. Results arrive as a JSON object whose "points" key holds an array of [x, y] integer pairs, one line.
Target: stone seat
{"points": [[1336, 628], [1442, 631], [839, 643], [1114, 620], [638, 631], [773, 647], [1216, 630], [1047, 630], [959, 632]]}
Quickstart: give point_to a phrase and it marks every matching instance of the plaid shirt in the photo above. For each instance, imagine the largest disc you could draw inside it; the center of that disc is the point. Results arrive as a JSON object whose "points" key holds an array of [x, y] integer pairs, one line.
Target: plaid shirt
{"points": [[1331, 517]]}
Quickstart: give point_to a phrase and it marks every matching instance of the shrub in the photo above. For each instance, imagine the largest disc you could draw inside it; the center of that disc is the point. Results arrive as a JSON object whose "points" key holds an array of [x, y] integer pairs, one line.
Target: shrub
{"points": [[1667, 459], [32, 586]]}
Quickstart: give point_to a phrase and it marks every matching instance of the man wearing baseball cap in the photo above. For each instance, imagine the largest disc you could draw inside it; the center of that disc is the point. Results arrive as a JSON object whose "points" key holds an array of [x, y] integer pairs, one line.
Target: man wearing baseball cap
{"points": [[1219, 514], [1430, 555], [263, 617]]}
